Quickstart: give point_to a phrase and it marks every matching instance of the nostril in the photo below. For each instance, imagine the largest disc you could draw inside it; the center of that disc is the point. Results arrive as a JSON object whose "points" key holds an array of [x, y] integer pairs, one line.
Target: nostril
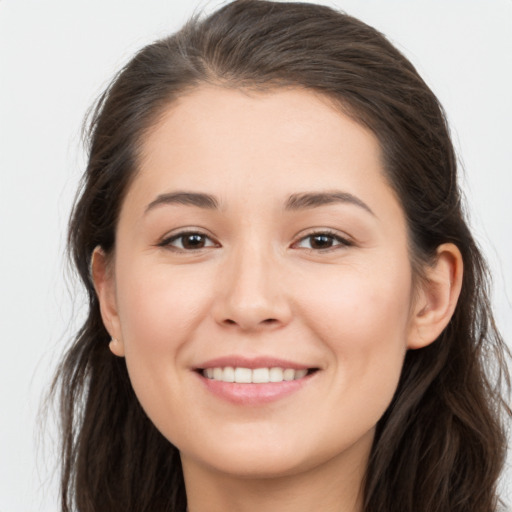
{"points": [[249, 322], [266, 321]]}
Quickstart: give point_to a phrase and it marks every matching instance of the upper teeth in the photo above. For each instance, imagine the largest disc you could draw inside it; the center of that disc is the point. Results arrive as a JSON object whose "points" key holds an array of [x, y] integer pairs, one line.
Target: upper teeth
{"points": [[256, 375]]}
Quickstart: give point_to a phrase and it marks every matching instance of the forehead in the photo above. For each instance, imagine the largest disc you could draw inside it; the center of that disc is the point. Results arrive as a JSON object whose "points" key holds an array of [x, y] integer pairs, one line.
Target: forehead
{"points": [[257, 147]]}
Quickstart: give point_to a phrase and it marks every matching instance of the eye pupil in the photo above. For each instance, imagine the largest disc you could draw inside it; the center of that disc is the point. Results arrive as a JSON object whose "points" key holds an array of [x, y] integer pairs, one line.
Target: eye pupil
{"points": [[193, 241], [321, 241]]}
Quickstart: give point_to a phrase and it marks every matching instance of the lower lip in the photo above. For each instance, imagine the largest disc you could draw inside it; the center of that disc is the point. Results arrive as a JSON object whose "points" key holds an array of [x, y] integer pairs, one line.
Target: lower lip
{"points": [[253, 394]]}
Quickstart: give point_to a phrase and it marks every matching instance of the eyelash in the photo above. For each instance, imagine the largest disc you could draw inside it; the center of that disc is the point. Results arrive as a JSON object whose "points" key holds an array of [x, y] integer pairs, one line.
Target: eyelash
{"points": [[335, 237], [341, 242], [166, 242]]}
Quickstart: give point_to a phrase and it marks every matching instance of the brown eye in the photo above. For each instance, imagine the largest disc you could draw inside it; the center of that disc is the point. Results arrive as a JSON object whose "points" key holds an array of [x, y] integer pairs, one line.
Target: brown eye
{"points": [[322, 241], [188, 241], [193, 241]]}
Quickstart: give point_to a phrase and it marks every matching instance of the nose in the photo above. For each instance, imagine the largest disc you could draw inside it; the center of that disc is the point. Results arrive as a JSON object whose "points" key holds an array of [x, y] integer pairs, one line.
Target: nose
{"points": [[251, 294]]}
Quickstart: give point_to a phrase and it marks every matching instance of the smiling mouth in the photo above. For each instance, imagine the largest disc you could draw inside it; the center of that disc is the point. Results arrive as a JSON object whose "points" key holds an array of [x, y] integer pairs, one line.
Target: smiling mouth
{"points": [[241, 375]]}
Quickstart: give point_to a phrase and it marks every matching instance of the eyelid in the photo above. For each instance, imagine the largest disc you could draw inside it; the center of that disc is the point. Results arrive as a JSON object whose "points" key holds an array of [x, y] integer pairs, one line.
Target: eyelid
{"points": [[166, 240], [343, 240]]}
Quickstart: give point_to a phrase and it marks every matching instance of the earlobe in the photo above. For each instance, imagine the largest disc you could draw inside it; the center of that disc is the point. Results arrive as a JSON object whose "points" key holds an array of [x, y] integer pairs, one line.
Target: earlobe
{"points": [[116, 347], [104, 283], [437, 297]]}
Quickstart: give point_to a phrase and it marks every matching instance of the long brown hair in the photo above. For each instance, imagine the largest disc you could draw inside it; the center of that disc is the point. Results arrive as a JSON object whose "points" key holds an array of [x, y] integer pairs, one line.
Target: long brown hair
{"points": [[441, 444]]}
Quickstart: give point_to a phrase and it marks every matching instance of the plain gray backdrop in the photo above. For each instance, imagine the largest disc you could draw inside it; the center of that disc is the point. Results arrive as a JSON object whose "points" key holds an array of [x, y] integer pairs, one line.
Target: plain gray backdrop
{"points": [[55, 58]]}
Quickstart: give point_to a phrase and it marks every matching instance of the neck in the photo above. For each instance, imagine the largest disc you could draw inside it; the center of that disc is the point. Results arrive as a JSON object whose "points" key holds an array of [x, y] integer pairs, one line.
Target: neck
{"points": [[332, 486]]}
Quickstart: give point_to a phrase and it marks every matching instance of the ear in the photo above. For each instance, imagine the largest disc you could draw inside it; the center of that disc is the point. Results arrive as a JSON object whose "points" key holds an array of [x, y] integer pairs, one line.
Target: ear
{"points": [[437, 297], [104, 283]]}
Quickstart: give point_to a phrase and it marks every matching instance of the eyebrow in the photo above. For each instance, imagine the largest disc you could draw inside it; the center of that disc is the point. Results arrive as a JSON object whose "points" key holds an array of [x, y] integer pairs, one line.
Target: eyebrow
{"points": [[200, 200], [295, 202], [316, 199]]}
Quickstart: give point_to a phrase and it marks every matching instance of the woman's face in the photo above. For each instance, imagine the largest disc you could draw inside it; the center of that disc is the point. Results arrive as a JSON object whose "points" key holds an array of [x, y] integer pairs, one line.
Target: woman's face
{"points": [[260, 233]]}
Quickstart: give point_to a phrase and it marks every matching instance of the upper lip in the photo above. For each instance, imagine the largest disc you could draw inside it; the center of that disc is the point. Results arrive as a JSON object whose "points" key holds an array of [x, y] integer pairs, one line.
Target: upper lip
{"points": [[236, 361]]}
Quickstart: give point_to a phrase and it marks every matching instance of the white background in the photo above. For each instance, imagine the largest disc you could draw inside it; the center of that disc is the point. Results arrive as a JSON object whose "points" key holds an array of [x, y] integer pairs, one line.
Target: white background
{"points": [[55, 58]]}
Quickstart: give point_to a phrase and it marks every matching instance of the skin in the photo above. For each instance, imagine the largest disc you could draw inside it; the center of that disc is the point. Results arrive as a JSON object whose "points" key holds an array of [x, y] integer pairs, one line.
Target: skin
{"points": [[261, 287]]}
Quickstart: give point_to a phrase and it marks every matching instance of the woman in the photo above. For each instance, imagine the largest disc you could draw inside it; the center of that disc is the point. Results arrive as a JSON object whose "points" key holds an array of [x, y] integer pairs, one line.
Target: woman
{"points": [[287, 309]]}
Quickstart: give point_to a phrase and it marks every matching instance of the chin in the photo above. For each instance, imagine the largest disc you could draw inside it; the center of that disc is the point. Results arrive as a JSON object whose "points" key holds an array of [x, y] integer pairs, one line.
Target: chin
{"points": [[260, 466], [250, 459], [269, 458]]}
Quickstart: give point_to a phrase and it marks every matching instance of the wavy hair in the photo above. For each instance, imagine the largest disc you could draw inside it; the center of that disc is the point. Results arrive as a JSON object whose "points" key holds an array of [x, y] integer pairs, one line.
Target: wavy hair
{"points": [[440, 447]]}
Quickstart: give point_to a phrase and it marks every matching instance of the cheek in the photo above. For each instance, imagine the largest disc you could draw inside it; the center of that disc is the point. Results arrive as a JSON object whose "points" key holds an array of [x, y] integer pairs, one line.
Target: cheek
{"points": [[357, 302], [158, 303], [362, 319], [362, 316], [159, 308]]}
